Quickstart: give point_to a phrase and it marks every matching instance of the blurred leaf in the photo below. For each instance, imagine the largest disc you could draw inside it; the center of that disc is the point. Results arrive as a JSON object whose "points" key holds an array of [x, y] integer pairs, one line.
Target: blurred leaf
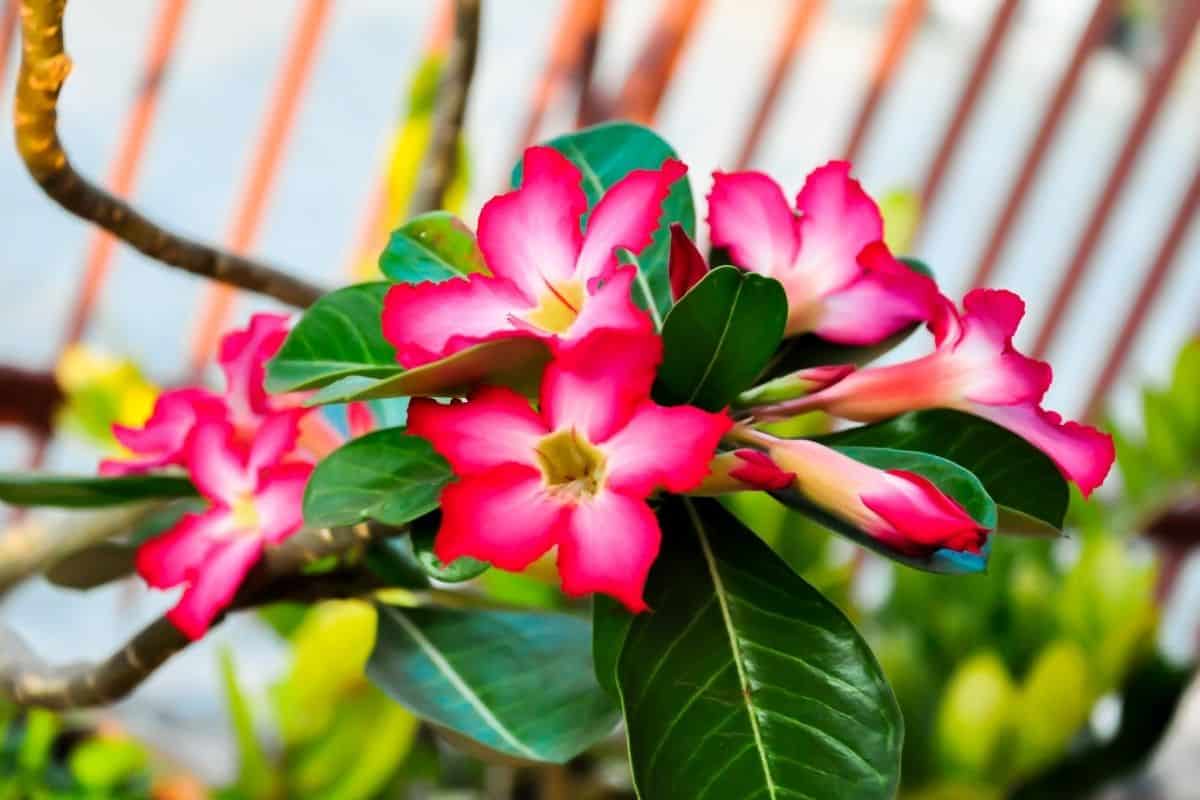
{"points": [[607, 153], [1017, 475], [1185, 397], [432, 247], [1052, 705], [901, 210], [517, 683], [393, 561], [976, 717], [1168, 448], [102, 391], [256, 780], [801, 541], [41, 729], [89, 491], [386, 475], [385, 740], [746, 682], [338, 336], [719, 337]]}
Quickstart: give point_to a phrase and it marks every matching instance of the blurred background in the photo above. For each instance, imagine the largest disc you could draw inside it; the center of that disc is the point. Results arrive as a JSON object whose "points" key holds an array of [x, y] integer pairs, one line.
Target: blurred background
{"points": [[1047, 146]]}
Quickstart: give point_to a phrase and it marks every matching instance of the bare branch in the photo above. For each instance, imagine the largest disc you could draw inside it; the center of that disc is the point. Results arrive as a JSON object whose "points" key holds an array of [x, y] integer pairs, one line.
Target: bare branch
{"points": [[44, 70], [29, 399], [442, 156]]}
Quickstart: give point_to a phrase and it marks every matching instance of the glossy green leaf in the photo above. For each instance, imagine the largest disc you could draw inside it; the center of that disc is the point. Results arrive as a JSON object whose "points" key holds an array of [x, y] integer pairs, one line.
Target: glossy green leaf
{"points": [[431, 247], [89, 491], [718, 338], [517, 683], [424, 531], [338, 336], [809, 350], [1028, 488], [744, 682], [607, 153], [386, 476], [610, 626], [516, 363]]}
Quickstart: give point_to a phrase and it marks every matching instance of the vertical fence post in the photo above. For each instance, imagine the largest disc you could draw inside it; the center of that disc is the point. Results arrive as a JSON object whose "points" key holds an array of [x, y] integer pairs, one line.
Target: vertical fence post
{"points": [[651, 74]]}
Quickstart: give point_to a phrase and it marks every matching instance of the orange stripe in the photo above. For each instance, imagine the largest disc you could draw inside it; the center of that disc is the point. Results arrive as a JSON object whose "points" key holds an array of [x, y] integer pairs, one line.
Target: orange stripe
{"points": [[277, 126], [8, 35], [647, 82], [124, 170]]}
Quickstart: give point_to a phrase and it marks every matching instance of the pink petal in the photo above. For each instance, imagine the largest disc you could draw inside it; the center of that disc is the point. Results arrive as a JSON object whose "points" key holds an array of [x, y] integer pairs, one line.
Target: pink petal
{"points": [[274, 438], [625, 217], [531, 236], [161, 441], [242, 356], [760, 472], [1082, 453], [609, 306], [503, 516], [661, 446], [685, 265], [170, 558], [999, 375], [215, 585], [426, 322], [215, 465], [360, 419], [279, 500], [608, 546], [495, 426], [749, 216], [595, 385], [885, 298], [922, 518]]}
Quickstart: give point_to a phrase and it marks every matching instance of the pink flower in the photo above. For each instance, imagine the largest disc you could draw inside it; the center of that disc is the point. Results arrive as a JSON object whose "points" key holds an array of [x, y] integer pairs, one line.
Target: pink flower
{"points": [[548, 280], [575, 474], [161, 441], [901, 509], [685, 265], [742, 470], [841, 280], [974, 369], [256, 500], [243, 356]]}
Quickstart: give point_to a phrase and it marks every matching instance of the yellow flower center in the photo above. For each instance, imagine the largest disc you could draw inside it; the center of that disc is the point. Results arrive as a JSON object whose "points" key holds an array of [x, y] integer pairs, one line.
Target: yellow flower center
{"points": [[558, 307], [245, 515], [572, 467]]}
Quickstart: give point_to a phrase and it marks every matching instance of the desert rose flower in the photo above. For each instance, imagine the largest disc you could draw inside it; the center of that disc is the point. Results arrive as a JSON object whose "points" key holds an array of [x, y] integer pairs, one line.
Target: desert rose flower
{"points": [[841, 280], [255, 501], [547, 279], [902, 510], [974, 369], [574, 474], [742, 470], [161, 442]]}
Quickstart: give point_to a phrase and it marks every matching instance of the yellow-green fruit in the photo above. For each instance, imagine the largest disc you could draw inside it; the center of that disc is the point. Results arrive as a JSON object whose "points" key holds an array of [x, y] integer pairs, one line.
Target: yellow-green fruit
{"points": [[975, 716], [1054, 704]]}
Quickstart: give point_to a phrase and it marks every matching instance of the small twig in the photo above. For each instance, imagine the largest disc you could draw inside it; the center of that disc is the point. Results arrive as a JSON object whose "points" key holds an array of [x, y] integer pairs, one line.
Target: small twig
{"points": [[441, 159], [29, 399], [44, 69]]}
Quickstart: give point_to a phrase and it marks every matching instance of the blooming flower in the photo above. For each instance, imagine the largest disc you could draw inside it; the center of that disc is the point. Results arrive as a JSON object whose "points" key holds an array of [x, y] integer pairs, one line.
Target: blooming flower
{"points": [[901, 509], [255, 500], [161, 441], [575, 473], [974, 369], [841, 280], [548, 280]]}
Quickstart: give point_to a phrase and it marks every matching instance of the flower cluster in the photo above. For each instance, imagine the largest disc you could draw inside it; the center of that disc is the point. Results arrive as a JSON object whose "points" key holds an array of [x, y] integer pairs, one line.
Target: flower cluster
{"points": [[249, 455]]}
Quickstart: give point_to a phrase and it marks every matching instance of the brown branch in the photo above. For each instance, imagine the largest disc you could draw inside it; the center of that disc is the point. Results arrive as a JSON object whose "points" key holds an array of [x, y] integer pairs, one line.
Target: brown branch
{"points": [[44, 70], [441, 159], [29, 399], [27, 680]]}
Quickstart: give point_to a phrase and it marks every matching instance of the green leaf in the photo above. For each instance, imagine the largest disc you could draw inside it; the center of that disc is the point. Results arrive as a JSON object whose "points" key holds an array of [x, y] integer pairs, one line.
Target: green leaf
{"points": [[339, 335], [610, 626], [89, 491], [517, 683], [424, 531], [255, 779], [744, 681], [1028, 488], [607, 153], [431, 247], [386, 476], [718, 338]]}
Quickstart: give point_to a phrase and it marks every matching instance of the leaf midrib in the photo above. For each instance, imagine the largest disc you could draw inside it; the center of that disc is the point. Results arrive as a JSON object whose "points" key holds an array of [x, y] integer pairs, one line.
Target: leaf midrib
{"points": [[720, 344]]}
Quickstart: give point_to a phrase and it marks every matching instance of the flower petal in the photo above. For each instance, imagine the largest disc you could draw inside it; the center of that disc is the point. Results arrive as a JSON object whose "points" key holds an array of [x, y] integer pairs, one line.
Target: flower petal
{"points": [[759, 471], [495, 426], [922, 518], [749, 216], [685, 265], [170, 558], [503, 516], [162, 440], [998, 374], [243, 355], [886, 297], [426, 322], [215, 465], [1082, 453], [595, 385], [279, 500], [626, 217], [531, 236], [274, 438], [660, 446], [215, 585], [609, 306], [360, 419], [608, 546]]}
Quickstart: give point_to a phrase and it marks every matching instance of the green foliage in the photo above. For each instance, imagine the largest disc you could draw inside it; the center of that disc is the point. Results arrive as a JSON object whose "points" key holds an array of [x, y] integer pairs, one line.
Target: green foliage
{"points": [[718, 338], [89, 491], [431, 247]]}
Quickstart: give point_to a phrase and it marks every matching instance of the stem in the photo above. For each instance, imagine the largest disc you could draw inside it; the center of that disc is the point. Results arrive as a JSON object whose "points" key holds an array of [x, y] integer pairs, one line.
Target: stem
{"points": [[44, 69]]}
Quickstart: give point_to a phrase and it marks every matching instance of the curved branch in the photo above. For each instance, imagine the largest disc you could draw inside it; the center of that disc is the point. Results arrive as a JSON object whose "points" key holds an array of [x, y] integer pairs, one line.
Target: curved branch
{"points": [[441, 159], [29, 399], [44, 70]]}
